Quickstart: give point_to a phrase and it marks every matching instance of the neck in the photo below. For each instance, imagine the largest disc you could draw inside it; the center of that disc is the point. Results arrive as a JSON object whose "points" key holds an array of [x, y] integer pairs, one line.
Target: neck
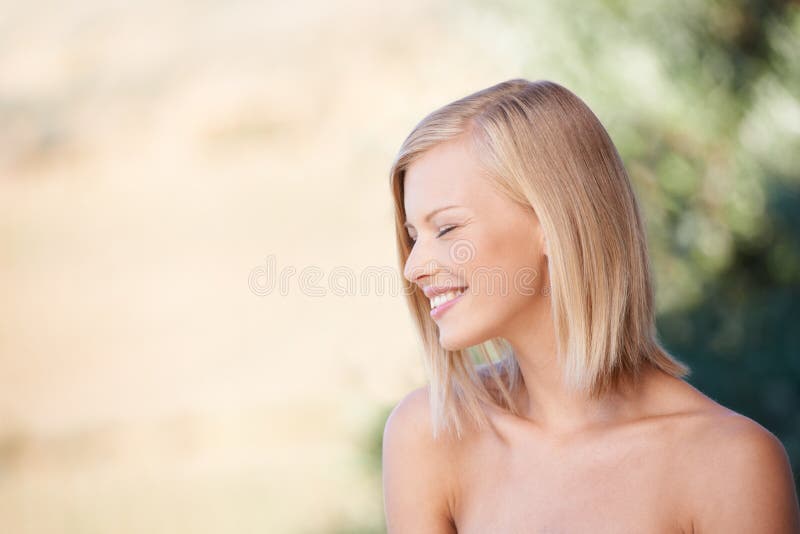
{"points": [[544, 400]]}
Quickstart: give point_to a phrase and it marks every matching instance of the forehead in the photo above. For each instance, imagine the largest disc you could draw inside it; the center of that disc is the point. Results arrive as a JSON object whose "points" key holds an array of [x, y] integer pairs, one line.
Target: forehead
{"points": [[448, 173]]}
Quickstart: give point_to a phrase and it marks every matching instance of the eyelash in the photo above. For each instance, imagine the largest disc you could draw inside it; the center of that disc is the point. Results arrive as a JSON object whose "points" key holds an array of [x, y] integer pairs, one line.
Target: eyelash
{"points": [[440, 234]]}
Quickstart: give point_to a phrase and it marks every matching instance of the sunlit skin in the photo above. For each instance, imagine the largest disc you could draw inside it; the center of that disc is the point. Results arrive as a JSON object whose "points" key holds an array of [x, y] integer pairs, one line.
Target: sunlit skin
{"points": [[656, 457]]}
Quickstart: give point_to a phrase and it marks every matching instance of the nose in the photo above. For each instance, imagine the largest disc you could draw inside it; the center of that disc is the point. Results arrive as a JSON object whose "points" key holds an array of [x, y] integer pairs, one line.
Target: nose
{"points": [[419, 264]]}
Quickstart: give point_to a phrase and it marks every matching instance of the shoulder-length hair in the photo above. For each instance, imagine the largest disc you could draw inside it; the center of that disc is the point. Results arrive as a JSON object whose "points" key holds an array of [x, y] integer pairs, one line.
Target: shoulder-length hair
{"points": [[543, 147]]}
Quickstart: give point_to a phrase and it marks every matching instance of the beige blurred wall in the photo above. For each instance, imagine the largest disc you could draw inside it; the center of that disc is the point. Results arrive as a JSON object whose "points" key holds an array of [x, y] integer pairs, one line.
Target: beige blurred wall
{"points": [[152, 155]]}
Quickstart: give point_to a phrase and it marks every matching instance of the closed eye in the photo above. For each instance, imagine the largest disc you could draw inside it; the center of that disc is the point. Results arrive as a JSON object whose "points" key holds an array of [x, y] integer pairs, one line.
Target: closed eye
{"points": [[440, 234], [445, 230]]}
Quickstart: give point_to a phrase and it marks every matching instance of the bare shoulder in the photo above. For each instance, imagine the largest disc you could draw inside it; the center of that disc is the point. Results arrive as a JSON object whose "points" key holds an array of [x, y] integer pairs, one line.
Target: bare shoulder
{"points": [[417, 481], [411, 418], [739, 476]]}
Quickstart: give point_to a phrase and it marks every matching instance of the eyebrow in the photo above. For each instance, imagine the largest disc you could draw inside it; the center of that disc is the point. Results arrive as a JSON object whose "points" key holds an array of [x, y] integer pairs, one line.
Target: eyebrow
{"points": [[431, 214]]}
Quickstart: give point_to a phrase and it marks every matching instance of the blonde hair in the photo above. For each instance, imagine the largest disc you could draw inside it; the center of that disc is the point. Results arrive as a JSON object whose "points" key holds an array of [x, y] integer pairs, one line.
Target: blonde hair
{"points": [[543, 147]]}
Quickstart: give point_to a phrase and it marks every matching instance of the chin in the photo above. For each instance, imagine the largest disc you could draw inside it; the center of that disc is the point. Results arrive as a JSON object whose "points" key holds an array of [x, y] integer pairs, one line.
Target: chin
{"points": [[452, 340], [450, 343]]}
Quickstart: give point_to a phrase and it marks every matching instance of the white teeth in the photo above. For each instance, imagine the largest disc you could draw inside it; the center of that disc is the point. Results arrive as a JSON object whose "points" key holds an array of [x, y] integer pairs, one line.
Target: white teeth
{"points": [[438, 300]]}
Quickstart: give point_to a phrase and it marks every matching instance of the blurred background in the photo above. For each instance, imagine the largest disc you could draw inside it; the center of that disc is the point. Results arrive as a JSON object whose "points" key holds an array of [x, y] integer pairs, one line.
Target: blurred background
{"points": [[175, 175]]}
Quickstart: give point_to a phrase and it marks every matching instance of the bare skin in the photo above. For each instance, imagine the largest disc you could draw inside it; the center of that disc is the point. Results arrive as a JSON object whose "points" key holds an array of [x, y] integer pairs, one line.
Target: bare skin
{"points": [[684, 464], [657, 456], [625, 475]]}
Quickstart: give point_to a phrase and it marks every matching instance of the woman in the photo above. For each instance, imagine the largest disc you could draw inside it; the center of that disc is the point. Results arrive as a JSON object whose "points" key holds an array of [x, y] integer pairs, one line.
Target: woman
{"points": [[521, 244]]}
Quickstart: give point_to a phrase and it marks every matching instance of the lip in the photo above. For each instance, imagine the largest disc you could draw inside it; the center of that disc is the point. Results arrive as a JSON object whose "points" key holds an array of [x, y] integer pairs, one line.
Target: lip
{"points": [[442, 308]]}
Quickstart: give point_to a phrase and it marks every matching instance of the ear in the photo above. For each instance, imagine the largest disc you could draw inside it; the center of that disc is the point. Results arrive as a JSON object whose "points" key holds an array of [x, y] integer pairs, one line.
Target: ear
{"points": [[543, 243]]}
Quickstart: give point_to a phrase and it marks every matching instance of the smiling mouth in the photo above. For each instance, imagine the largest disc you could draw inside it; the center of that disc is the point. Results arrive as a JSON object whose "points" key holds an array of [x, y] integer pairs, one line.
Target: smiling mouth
{"points": [[444, 298]]}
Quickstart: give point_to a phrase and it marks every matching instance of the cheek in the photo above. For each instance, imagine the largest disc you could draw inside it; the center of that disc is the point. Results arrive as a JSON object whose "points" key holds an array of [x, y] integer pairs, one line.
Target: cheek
{"points": [[495, 297], [487, 272], [506, 271]]}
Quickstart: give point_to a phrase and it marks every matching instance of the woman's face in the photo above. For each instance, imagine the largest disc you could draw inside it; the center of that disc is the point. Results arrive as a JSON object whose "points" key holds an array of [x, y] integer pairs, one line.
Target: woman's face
{"points": [[469, 235]]}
